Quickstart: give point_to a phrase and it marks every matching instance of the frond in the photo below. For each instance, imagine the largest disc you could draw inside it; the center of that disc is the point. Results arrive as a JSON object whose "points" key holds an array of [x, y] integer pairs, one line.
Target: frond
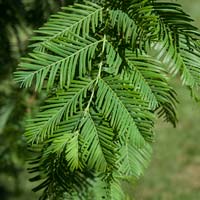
{"points": [[65, 141], [190, 54], [52, 172], [133, 161], [172, 15], [92, 153], [85, 144], [107, 187], [79, 19], [126, 27], [107, 140], [168, 53], [115, 191], [178, 59], [59, 63], [178, 37], [113, 59], [139, 65], [68, 143], [149, 78], [142, 14], [57, 108], [113, 102]]}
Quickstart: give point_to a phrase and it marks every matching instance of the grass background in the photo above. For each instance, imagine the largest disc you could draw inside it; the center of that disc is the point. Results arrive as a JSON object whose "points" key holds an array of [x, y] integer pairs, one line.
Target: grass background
{"points": [[174, 173]]}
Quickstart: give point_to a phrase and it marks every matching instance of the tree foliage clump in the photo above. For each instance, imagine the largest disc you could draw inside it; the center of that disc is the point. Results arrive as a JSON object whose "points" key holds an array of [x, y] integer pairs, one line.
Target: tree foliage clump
{"points": [[106, 66]]}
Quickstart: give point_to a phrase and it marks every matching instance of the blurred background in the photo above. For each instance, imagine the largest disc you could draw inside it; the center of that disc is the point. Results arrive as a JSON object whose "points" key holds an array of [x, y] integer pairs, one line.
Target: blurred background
{"points": [[174, 173]]}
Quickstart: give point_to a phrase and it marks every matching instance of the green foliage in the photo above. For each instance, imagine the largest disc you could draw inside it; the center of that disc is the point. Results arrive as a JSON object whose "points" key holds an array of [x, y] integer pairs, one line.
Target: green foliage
{"points": [[106, 67]]}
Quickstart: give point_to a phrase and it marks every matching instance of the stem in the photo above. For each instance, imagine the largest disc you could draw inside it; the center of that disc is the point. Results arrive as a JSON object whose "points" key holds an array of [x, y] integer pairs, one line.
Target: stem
{"points": [[97, 78], [94, 87], [93, 90]]}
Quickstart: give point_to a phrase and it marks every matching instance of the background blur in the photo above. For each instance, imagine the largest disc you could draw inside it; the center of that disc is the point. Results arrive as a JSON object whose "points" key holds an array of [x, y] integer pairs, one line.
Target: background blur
{"points": [[174, 173]]}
